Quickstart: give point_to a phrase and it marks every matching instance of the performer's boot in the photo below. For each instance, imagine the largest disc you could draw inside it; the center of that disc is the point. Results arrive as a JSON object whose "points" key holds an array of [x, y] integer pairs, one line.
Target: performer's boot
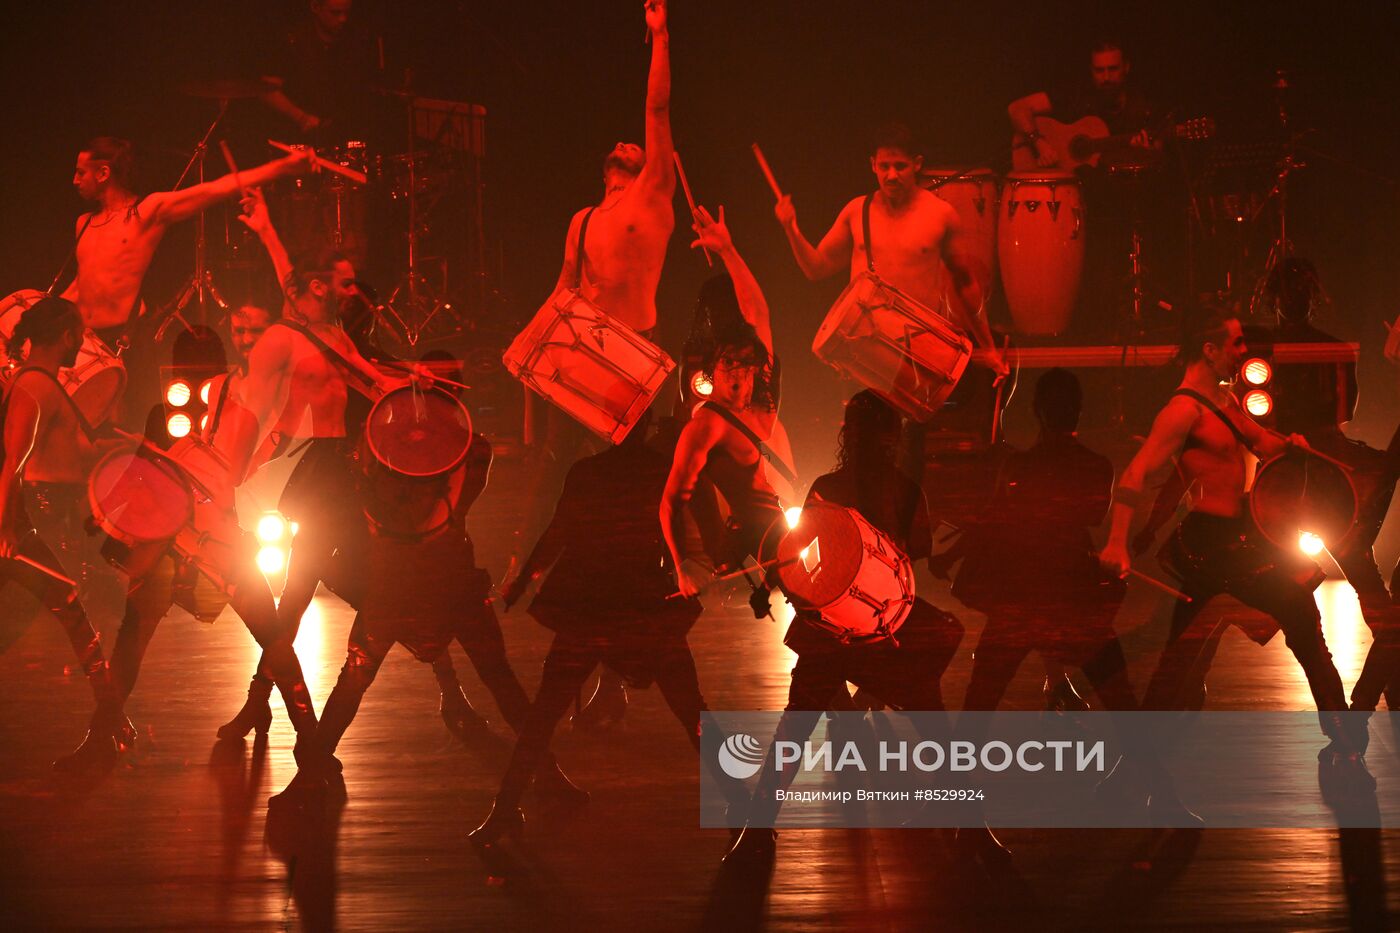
{"points": [[1061, 697], [456, 710], [256, 713], [754, 847], [607, 704], [553, 784], [99, 747], [504, 819], [1344, 755]]}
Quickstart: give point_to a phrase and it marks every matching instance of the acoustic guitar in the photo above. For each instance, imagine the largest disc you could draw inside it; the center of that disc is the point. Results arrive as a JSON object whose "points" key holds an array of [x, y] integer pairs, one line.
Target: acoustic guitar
{"points": [[1084, 141]]}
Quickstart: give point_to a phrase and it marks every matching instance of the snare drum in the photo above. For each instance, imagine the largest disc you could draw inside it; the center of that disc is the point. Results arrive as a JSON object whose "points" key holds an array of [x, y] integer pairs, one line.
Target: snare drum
{"points": [[600, 371], [973, 194], [889, 342], [1294, 494], [839, 565], [419, 433], [1040, 242]]}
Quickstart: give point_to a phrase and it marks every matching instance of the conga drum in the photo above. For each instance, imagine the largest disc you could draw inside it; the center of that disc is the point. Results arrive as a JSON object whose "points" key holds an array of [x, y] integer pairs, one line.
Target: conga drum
{"points": [[1040, 244], [838, 565], [973, 194]]}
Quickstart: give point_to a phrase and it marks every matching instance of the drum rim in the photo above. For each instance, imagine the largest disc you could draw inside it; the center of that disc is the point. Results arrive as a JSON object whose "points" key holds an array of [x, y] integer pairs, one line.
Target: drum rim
{"points": [[1043, 175], [99, 515], [379, 457], [1254, 508]]}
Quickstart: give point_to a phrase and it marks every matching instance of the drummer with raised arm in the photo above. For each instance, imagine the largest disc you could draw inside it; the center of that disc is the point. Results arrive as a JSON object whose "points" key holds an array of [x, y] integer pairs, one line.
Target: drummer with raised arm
{"points": [[914, 232]]}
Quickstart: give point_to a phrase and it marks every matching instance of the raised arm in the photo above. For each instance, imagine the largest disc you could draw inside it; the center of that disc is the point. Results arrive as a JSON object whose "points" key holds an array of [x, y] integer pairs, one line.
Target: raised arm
{"points": [[827, 258], [714, 235], [168, 207], [256, 218], [693, 447], [1164, 442], [658, 174]]}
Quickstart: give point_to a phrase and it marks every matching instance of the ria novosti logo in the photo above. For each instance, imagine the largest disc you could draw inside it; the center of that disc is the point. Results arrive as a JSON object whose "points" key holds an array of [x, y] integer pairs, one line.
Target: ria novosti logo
{"points": [[741, 756]]}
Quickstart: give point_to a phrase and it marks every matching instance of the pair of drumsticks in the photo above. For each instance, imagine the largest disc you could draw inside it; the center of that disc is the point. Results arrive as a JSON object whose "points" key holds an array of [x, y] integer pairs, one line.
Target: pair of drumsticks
{"points": [[690, 198]]}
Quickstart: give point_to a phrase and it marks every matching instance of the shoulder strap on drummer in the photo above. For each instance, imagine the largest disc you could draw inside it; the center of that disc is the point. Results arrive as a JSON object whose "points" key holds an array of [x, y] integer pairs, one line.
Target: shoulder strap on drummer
{"points": [[332, 355], [582, 235], [86, 428], [1215, 409], [865, 230], [219, 405], [764, 451]]}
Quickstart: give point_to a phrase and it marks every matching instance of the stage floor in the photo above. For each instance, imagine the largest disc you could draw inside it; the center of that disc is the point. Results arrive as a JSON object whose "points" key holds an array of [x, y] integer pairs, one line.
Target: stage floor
{"points": [[177, 836]]}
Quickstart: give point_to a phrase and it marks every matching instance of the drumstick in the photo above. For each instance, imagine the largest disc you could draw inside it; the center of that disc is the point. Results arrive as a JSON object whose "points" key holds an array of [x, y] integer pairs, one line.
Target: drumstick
{"points": [[736, 574], [690, 199], [1158, 584], [232, 167], [43, 569], [358, 178], [767, 172], [403, 367]]}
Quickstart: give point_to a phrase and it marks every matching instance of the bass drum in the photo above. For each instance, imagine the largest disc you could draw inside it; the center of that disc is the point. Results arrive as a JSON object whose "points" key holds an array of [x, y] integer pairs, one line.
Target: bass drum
{"points": [[1040, 243], [838, 565], [1296, 494]]}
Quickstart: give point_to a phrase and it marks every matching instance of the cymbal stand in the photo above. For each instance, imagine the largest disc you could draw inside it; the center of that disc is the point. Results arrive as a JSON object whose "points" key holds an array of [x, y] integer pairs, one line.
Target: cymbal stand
{"points": [[414, 293], [199, 287]]}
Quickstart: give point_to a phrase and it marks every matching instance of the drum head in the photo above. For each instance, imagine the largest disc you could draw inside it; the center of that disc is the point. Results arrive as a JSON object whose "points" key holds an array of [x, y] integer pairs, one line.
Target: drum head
{"points": [[12, 306], [420, 433], [1296, 493], [821, 557], [137, 498]]}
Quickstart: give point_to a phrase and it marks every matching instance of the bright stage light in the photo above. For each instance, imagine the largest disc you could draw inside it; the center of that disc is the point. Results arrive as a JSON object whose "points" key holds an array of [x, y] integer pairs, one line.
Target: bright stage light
{"points": [[272, 527], [1310, 544], [793, 515], [271, 559], [204, 391], [1257, 372], [701, 385], [1258, 403], [178, 393], [178, 425]]}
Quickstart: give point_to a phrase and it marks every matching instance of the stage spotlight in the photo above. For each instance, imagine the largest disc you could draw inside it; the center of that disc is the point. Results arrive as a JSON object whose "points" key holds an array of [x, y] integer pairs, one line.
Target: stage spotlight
{"points": [[204, 422], [271, 559], [204, 391], [1310, 544], [177, 394], [1258, 403], [1257, 372], [272, 527], [701, 385], [793, 515], [178, 425]]}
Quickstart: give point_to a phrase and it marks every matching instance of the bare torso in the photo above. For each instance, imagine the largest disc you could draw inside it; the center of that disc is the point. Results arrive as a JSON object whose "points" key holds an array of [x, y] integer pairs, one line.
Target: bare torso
{"points": [[1212, 462], [909, 243], [113, 255], [316, 389], [624, 253], [62, 452]]}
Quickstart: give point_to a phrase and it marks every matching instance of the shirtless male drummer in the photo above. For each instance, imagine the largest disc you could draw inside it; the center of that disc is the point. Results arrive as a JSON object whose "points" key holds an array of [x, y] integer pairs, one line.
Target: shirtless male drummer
{"points": [[914, 231], [1216, 549]]}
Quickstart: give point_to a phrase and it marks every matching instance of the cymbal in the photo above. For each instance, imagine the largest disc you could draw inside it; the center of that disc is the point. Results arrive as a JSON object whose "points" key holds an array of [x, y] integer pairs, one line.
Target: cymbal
{"points": [[226, 88]]}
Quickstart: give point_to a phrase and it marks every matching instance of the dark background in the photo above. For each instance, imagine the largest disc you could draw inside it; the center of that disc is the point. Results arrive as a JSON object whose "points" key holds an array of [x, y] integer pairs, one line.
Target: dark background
{"points": [[563, 81]]}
